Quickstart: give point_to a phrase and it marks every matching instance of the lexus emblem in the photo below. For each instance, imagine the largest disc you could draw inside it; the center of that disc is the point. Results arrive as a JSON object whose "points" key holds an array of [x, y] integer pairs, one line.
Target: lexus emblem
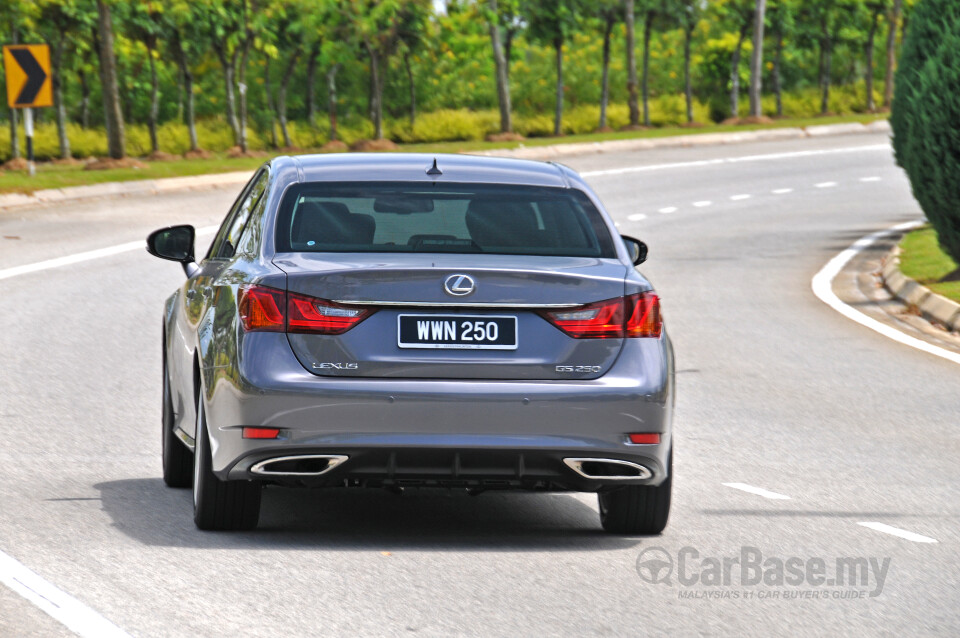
{"points": [[459, 285]]}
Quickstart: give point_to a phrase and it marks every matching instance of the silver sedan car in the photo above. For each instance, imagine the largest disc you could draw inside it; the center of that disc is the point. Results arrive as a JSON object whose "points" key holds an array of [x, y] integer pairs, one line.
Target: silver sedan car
{"points": [[402, 320]]}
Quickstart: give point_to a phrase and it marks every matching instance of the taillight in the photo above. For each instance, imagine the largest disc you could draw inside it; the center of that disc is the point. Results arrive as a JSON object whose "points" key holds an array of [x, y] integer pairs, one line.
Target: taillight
{"points": [[266, 309], [636, 315], [261, 308], [318, 316]]}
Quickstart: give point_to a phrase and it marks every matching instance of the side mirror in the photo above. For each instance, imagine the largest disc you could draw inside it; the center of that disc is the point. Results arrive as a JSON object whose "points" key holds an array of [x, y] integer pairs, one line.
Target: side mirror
{"points": [[174, 243], [636, 248]]}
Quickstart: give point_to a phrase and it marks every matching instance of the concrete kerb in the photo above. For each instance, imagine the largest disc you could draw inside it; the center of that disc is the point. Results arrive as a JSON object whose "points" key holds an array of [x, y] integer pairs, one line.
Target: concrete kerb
{"points": [[932, 306], [556, 151]]}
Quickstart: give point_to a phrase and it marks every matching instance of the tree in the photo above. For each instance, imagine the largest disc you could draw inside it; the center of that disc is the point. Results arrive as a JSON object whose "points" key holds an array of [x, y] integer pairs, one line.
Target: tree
{"points": [[893, 22], [186, 40], [825, 20], [688, 14], [144, 22], [782, 23], [756, 60], [108, 82], [926, 116], [632, 97], [874, 9], [608, 13], [738, 15], [223, 23], [550, 23], [501, 62]]}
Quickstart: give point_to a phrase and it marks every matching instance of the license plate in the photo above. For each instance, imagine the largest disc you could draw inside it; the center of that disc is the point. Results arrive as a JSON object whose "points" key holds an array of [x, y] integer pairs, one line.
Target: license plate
{"points": [[457, 332]]}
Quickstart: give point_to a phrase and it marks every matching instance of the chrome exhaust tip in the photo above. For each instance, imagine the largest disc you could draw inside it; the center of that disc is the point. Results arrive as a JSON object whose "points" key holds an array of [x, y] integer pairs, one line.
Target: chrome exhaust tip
{"points": [[301, 465], [608, 469]]}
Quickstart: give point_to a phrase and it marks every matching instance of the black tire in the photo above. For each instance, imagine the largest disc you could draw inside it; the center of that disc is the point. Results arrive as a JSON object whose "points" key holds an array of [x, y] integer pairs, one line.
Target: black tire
{"points": [[177, 458], [637, 509], [220, 505]]}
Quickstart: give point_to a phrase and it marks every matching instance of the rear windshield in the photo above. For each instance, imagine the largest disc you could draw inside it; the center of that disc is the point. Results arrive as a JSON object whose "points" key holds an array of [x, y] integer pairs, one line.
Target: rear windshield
{"points": [[449, 218]]}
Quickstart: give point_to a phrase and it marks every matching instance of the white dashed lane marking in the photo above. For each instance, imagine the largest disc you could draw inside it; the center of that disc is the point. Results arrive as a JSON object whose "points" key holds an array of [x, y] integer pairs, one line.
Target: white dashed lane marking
{"points": [[869, 179], [759, 491], [737, 198], [636, 218], [896, 531], [702, 204], [826, 184], [782, 191], [668, 210]]}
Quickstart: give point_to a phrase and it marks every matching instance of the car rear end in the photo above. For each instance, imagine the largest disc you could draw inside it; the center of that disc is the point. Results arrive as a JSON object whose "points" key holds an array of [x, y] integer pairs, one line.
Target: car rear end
{"points": [[448, 331]]}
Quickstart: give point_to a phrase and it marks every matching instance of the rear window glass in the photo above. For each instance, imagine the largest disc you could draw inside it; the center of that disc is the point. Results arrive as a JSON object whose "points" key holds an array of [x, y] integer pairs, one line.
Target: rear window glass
{"points": [[449, 218]]}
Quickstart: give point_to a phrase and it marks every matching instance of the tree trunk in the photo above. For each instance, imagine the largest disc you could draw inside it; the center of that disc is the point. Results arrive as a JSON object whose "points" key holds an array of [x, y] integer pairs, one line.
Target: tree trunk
{"points": [[311, 84], [187, 75], [756, 62], [60, 109], [14, 120], [84, 100], [413, 89], [605, 79], [558, 112], [282, 97], [271, 110], [242, 82], [108, 80], [376, 93], [154, 99], [735, 73], [871, 104], [632, 97], [179, 93], [891, 53], [332, 100], [688, 84], [508, 50], [777, 88], [647, 31], [826, 51], [227, 64], [501, 68]]}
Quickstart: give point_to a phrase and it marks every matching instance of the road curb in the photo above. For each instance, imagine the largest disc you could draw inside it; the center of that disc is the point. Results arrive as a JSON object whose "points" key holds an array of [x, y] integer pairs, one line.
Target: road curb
{"points": [[930, 305], [13, 201]]}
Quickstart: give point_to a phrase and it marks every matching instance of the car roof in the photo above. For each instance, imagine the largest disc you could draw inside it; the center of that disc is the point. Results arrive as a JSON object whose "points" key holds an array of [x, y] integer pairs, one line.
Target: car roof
{"points": [[412, 167]]}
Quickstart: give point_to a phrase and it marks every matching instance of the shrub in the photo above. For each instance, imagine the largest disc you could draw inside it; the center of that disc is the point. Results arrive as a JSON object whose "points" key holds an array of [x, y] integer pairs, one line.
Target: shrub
{"points": [[926, 116]]}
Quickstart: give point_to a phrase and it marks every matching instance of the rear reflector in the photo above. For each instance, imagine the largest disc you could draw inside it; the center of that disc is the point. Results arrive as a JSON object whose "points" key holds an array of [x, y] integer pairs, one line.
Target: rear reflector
{"points": [[264, 309], [644, 438], [261, 433], [636, 315]]}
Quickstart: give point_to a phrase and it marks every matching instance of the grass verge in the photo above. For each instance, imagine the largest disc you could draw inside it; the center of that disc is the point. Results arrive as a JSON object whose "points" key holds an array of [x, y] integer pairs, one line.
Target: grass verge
{"points": [[923, 259], [51, 175]]}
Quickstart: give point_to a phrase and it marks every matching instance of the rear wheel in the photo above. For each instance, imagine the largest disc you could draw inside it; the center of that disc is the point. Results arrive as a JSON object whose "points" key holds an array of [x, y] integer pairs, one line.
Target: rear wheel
{"points": [[177, 459], [637, 509], [220, 505]]}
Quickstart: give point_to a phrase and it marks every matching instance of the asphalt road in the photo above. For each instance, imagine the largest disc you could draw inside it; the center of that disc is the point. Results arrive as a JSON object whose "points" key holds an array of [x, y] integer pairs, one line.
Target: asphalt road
{"points": [[777, 394]]}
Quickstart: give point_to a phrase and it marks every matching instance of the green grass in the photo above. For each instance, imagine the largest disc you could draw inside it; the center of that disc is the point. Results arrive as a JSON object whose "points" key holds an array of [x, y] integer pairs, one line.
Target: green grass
{"points": [[60, 176], [925, 261]]}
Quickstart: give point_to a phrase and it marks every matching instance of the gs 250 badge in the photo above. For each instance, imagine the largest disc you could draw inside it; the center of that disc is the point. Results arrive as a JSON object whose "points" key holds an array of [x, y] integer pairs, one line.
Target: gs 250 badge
{"points": [[580, 369]]}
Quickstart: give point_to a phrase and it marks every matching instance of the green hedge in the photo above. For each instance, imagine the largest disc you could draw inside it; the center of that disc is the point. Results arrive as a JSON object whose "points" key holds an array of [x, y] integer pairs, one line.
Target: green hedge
{"points": [[926, 116]]}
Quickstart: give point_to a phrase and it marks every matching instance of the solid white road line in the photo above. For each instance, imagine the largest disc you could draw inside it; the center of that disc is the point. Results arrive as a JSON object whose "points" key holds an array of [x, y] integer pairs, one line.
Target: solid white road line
{"points": [[758, 491], [826, 184], [736, 160], [668, 210], [782, 191], [702, 204], [66, 609], [77, 258], [737, 198], [902, 533], [636, 218], [869, 179], [822, 285]]}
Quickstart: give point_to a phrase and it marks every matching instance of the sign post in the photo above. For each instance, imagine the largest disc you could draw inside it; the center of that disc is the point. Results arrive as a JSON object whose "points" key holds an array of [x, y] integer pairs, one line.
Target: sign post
{"points": [[27, 67]]}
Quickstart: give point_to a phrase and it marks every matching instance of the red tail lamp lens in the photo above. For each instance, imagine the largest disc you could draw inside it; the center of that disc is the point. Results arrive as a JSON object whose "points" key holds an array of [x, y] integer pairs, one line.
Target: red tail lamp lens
{"points": [[644, 438], [261, 433], [260, 308], [312, 315], [632, 316]]}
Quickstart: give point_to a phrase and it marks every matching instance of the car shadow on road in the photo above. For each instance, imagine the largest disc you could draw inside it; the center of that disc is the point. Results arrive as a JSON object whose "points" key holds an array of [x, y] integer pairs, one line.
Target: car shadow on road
{"points": [[363, 519]]}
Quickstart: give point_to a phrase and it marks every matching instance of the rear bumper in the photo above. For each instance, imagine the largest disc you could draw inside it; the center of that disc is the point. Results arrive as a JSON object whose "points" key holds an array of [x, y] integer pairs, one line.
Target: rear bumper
{"points": [[441, 432]]}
